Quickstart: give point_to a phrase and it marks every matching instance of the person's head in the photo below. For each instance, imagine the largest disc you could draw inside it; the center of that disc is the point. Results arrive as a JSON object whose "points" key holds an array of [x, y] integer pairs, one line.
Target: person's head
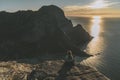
{"points": [[69, 52]]}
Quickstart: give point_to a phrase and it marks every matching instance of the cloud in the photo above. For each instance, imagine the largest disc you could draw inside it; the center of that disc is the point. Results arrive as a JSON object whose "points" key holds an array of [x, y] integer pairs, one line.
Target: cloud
{"points": [[103, 8], [94, 5], [76, 8], [110, 4], [102, 4]]}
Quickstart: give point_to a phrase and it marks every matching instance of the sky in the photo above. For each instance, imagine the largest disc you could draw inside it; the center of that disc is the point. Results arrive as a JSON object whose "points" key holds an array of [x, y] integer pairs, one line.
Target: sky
{"points": [[70, 7]]}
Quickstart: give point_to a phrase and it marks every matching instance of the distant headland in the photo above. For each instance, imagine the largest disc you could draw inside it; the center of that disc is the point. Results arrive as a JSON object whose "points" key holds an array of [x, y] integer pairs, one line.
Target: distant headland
{"points": [[47, 30]]}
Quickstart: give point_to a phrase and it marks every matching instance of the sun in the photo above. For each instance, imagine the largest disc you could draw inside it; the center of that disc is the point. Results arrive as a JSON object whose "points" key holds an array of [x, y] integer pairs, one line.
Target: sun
{"points": [[98, 4]]}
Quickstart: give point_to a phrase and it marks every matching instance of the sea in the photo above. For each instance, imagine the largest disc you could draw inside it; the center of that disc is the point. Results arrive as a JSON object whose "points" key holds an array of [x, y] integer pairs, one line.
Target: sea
{"points": [[105, 46]]}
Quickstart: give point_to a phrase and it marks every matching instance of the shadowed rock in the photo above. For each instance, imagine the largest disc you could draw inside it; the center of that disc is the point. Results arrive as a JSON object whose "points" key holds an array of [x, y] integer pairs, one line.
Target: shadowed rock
{"points": [[28, 33]]}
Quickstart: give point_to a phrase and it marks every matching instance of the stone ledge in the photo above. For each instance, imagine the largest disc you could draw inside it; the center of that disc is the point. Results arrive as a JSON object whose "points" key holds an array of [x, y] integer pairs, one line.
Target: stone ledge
{"points": [[48, 70]]}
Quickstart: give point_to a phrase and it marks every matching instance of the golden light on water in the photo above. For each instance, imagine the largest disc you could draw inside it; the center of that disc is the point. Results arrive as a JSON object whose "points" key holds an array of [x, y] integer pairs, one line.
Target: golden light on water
{"points": [[96, 46], [95, 28]]}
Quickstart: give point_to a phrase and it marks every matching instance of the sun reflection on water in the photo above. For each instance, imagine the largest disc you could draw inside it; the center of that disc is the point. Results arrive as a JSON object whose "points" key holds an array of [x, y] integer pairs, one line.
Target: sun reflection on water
{"points": [[96, 46], [95, 28]]}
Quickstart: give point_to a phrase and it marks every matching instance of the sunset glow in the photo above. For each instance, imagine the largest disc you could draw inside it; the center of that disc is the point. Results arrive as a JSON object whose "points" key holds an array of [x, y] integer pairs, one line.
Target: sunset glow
{"points": [[98, 4], [102, 8]]}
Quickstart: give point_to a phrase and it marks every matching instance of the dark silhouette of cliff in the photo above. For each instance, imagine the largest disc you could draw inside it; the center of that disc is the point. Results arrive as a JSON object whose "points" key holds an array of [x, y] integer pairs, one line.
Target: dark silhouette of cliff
{"points": [[29, 32]]}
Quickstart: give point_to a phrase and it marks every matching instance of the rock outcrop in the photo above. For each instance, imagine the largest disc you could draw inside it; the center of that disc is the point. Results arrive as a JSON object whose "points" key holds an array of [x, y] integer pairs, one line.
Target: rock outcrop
{"points": [[46, 30], [48, 70]]}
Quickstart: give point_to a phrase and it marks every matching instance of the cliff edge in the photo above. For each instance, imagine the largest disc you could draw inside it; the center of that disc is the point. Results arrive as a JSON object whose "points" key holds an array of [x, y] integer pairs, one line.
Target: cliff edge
{"points": [[48, 70]]}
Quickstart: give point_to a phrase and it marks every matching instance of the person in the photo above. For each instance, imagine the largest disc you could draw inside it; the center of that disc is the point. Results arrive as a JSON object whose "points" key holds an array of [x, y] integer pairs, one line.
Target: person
{"points": [[69, 58], [66, 67]]}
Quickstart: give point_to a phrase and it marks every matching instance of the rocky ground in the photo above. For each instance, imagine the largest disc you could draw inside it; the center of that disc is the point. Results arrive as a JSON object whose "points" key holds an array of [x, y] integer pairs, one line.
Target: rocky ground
{"points": [[48, 70]]}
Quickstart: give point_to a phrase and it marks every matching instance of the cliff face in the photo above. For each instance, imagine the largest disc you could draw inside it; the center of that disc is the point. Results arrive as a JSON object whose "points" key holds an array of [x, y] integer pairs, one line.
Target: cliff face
{"points": [[45, 30]]}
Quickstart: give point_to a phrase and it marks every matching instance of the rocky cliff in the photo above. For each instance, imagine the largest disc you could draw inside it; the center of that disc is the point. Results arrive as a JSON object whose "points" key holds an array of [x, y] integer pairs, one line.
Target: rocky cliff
{"points": [[48, 70], [35, 32]]}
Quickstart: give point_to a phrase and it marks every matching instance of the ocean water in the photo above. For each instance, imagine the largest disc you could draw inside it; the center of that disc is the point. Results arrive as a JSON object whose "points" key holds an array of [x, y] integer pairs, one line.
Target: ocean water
{"points": [[105, 46]]}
